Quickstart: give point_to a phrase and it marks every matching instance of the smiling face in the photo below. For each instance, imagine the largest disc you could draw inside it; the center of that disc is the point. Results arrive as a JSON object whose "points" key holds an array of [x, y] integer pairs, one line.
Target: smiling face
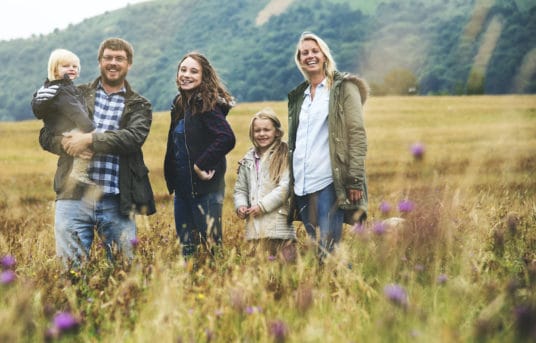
{"points": [[189, 75], [311, 57], [69, 67], [264, 134], [114, 67]]}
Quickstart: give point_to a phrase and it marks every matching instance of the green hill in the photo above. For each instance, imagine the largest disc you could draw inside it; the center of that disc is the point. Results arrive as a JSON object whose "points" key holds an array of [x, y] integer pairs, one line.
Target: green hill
{"points": [[427, 46]]}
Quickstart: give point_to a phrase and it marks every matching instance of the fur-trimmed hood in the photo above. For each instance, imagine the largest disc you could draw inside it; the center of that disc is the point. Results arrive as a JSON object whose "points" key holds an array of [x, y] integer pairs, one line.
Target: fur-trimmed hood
{"points": [[362, 85]]}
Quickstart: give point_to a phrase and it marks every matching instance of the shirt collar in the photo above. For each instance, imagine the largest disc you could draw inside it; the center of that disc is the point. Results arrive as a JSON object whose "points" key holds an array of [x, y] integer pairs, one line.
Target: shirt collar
{"points": [[320, 85], [122, 91]]}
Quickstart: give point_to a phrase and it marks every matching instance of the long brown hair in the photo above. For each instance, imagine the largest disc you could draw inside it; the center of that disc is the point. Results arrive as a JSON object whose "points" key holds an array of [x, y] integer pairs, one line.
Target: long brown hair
{"points": [[278, 150], [210, 92]]}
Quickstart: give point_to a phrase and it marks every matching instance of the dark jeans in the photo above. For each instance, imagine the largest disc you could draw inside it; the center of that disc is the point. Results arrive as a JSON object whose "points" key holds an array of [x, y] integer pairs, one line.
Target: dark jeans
{"points": [[198, 221], [322, 217]]}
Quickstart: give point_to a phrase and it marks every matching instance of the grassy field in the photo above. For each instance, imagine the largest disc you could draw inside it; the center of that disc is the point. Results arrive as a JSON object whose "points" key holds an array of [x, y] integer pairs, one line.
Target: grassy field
{"points": [[462, 269]]}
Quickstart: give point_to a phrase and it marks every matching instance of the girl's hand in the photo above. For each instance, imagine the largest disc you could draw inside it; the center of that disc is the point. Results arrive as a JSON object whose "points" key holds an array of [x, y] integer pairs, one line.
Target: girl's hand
{"points": [[255, 211], [204, 175], [242, 212]]}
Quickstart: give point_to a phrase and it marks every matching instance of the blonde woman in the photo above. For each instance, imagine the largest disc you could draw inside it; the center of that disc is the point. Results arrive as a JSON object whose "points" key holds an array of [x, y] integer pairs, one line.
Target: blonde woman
{"points": [[328, 145], [261, 189]]}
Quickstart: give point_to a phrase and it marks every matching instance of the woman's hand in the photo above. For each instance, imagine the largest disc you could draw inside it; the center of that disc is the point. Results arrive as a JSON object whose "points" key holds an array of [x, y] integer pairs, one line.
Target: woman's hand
{"points": [[204, 175], [354, 195]]}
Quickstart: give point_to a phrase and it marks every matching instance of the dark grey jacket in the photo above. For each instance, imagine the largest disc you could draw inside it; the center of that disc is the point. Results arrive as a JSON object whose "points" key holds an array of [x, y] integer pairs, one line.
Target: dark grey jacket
{"points": [[136, 194]]}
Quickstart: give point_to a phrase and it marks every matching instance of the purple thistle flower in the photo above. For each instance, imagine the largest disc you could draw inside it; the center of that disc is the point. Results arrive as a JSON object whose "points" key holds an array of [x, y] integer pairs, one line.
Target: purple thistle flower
{"points": [[65, 321], [359, 228], [253, 309], [134, 242], [7, 277], [379, 229], [396, 294], [417, 150], [442, 278], [279, 330], [7, 261], [385, 207], [406, 206]]}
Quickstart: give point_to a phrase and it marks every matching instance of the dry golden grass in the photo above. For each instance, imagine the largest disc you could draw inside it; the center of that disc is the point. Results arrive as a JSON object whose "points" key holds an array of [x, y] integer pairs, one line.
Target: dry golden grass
{"points": [[475, 213]]}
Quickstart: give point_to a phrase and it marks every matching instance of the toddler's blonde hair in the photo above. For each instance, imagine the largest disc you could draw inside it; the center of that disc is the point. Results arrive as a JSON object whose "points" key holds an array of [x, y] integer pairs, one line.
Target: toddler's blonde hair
{"points": [[58, 57]]}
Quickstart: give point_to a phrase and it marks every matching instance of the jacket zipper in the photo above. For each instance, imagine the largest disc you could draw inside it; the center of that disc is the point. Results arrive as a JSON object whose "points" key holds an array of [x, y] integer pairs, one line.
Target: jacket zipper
{"points": [[190, 167]]}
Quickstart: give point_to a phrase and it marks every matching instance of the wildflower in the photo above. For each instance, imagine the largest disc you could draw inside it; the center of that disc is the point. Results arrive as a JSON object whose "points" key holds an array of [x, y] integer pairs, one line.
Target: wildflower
{"points": [[525, 321], [396, 294], [64, 321], [359, 228], [385, 207], [419, 268], [405, 206], [253, 309], [279, 330], [271, 258], [7, 262], [289, 254], [134, 242], [378, 228], [200, 296], [218, 312], [442, 278], [417, 150], [7, 277]]}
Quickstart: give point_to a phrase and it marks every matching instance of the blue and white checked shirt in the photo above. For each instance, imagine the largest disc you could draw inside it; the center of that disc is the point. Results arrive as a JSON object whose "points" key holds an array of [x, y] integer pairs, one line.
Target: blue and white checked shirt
{"points": [[104, 168]]}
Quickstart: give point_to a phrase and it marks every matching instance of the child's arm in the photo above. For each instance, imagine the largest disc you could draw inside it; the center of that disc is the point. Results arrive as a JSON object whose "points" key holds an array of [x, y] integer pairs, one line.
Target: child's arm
{"points": [[241, 189], [277, 196], [41, 100], [71, 107]]}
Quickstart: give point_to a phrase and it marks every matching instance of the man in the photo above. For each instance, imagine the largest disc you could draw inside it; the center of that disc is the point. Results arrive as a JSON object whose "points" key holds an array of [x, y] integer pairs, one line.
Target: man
{"points": [[122, 188]]}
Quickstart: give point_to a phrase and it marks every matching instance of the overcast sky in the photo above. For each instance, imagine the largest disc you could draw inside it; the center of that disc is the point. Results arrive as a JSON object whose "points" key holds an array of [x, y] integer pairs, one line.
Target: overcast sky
{"points": [[22, 18]]}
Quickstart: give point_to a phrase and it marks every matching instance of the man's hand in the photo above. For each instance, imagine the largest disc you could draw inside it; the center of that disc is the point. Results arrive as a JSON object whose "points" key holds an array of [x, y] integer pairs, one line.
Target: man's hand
{"points": [[48, 93], [76, 143]]}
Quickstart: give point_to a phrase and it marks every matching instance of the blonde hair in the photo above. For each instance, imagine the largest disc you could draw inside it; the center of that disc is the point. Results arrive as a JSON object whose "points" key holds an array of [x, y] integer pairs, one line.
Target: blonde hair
{"points": [[58, 57], [330, 66], [278, 151]]}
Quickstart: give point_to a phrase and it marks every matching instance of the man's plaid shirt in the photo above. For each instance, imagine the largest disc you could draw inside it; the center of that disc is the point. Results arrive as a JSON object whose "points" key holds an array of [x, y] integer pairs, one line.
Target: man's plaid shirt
{"points": [[104, 168]]}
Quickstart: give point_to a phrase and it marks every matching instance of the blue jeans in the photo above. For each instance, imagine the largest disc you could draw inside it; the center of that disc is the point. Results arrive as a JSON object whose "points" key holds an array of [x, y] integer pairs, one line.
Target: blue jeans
{"points": [[75, 221], [322, 217], [198, 221]]}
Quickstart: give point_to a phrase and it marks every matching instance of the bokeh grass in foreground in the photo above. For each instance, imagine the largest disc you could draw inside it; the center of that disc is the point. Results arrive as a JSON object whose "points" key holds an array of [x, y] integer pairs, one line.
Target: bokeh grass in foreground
{"points": [[462, 269]]}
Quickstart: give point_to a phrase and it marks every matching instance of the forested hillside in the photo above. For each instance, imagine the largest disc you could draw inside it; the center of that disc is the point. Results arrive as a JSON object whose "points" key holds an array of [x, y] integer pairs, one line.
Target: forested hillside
{"points": [[424, 47]]}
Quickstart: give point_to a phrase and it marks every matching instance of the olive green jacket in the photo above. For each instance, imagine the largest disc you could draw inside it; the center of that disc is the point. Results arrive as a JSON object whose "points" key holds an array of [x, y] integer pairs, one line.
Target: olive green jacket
{"points": [[347, 140]]}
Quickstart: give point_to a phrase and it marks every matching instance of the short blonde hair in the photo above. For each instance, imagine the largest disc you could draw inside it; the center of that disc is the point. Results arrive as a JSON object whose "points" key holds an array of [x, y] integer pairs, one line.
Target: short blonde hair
{"points": [[330, 66], [58, 57]]}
